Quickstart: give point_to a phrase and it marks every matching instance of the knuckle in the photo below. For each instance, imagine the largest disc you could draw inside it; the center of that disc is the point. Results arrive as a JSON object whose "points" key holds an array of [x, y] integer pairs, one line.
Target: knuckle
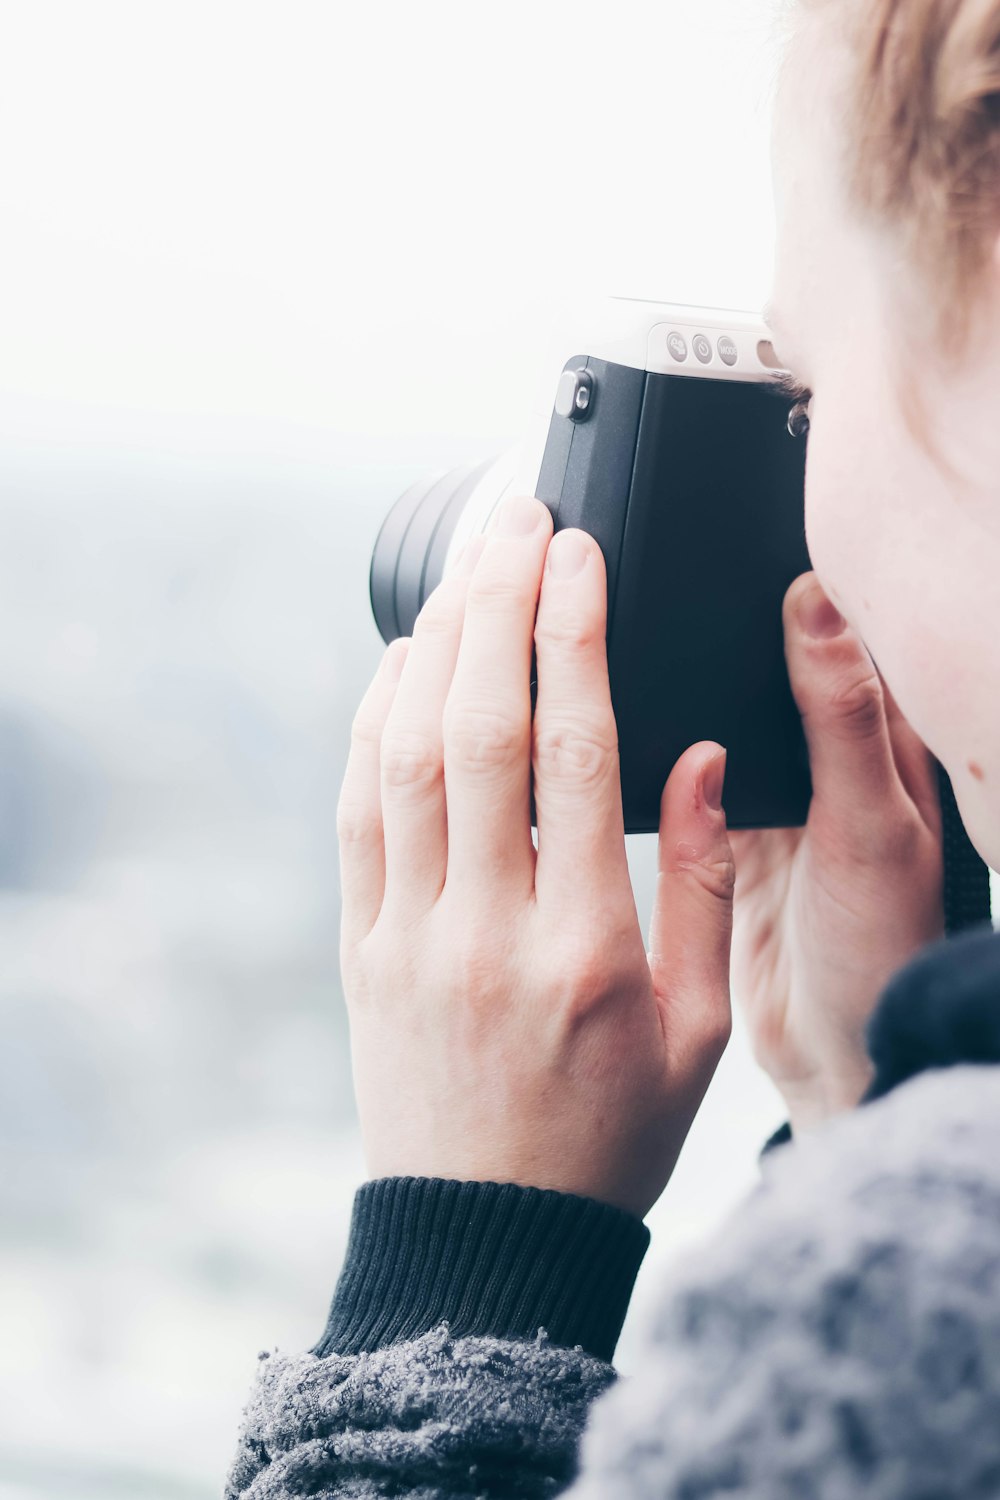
{"points": [[483, 737], [584, 967], [582, 754], [858, 706], [440, 613], [357, 822], [410, 760], [584, 980], [900, 840], [375, 967], [590, 969], [569, 629], [716, 875], [713, 1031], [499, 593], [366, 731]]}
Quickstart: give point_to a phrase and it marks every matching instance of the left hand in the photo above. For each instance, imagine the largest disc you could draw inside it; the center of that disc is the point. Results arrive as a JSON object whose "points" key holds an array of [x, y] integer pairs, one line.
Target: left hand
{"points": [[826, 914], [507, 1024]]}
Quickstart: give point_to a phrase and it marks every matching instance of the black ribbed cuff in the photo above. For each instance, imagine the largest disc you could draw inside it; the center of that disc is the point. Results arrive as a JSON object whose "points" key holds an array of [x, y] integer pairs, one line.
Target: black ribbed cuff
{"points": [[487, 1258]]}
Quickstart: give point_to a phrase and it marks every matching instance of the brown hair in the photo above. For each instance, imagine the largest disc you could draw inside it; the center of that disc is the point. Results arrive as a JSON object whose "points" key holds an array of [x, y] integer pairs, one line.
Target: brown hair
{"points": [[922, 146]]}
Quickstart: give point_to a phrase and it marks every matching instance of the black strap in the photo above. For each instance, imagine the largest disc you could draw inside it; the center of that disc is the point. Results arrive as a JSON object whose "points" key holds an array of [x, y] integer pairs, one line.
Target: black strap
{"points": [[966, 876]]}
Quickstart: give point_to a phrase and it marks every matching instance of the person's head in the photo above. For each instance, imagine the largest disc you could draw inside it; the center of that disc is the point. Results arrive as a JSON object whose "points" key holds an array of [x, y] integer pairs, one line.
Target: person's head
{"points": [[886, 304]]}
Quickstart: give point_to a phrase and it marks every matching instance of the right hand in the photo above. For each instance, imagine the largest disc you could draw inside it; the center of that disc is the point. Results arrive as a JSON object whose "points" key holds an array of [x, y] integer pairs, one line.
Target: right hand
{"points": [[826, 914], [507, 1021]]}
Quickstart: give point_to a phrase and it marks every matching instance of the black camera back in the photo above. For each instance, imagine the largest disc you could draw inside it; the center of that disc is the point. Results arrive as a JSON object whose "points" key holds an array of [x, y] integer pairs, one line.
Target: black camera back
{"points": [[677, 457], [694, 489]]}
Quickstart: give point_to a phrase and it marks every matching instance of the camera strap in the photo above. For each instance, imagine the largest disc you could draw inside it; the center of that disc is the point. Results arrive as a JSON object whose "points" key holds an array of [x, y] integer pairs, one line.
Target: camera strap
{"points": [[966, 876]]}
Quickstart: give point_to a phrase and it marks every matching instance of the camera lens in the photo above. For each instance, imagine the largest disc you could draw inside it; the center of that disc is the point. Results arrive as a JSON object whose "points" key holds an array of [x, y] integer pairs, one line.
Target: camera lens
{"points": [[409, 555]]}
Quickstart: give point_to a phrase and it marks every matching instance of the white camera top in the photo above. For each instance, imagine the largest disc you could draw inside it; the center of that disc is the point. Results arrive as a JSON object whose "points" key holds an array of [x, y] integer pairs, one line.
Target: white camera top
{"points": [[670, 338]]}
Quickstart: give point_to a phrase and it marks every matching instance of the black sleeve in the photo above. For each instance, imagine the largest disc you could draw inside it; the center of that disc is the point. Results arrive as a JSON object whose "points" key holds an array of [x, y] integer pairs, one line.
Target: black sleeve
{"points": [[487, 1258], [471, 1330]]}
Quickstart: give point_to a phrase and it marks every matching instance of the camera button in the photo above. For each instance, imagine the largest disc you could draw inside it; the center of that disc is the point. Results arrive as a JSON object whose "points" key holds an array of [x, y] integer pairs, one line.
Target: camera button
{"points": [[677, 344], [574, 394]]}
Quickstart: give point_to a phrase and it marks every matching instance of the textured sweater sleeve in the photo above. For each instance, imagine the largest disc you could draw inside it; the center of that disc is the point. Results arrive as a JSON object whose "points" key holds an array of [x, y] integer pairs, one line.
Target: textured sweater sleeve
{"points": [[841, 1336], [471, 1329], [431, 1416]]}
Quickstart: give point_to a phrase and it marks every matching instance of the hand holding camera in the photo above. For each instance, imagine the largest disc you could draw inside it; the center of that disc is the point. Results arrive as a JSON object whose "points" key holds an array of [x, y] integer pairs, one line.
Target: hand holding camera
{"points": [[507, 1023], [827, 913]]}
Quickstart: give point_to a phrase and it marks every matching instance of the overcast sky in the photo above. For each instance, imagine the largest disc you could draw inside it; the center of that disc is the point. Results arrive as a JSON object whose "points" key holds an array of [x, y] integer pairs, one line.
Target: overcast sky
{"points": [[360, 217]]}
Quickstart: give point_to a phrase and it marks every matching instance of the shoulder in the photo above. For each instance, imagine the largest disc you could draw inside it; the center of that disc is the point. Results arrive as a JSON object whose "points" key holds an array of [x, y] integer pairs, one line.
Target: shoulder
{"points": [[844, 1325], [911, 1182], [933, 1135]]}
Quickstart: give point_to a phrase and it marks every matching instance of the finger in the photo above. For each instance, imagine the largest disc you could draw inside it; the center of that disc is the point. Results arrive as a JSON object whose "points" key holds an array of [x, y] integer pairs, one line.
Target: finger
{"points": [[839, 694], [487, 716], [415, 825], [359, 808], [691, 930], [578, 799], [915, 763]]}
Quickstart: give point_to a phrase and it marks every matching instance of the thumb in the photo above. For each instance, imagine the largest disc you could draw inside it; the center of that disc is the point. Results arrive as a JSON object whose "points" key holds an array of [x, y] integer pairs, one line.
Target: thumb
{"points": [[692, 923], [839, 695]]}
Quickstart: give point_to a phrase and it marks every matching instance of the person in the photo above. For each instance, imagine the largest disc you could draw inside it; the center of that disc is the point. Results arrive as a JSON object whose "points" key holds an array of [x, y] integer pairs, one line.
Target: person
{"points": [[526, 1070]]}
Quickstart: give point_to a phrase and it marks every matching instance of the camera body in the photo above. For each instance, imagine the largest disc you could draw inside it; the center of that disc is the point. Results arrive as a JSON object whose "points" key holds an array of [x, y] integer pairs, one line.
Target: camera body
{"points": [[668, 441]]}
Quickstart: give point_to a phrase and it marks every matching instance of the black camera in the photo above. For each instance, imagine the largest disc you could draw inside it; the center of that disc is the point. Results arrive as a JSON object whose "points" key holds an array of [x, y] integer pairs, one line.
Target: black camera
{"points": [[670, 442]]}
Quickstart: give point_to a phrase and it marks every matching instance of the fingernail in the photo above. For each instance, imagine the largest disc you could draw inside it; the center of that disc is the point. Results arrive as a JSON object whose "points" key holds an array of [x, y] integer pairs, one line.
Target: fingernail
{"points": [[818, 616], [568, 551], [469, 556], [712, 782], [518, 516]]}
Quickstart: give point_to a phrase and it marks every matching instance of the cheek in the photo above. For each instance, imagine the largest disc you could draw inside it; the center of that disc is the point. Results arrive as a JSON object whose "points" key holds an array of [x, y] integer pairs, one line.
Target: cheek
{"points": [[858, 553], [839, 534], [861, 543], [914, 572]]}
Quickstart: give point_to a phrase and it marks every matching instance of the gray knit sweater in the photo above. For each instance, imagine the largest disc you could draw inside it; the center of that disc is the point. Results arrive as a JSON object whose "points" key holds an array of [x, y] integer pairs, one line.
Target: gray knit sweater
{"points": [[839, 1337]]}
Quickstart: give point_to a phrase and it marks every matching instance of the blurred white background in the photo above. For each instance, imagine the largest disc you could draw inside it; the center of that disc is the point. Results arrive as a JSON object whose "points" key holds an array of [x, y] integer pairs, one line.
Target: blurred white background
{"points": [[263, 266]]}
